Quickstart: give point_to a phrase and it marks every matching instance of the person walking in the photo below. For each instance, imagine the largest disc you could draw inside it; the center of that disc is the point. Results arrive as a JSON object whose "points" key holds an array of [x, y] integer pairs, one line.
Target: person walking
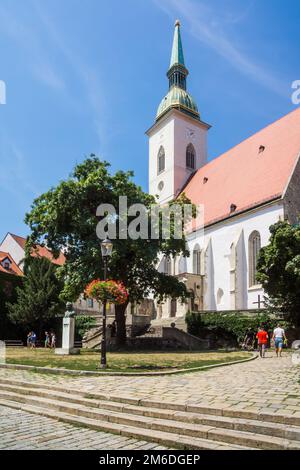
{"points": [[33, 340], [29, 340], [262, 341], [47, 340], [53, 340], [278, 338]]}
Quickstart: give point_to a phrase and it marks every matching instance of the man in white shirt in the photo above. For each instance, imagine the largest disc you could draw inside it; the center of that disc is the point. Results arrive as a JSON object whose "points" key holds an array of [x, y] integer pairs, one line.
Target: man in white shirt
{"points": [[278, 338]]}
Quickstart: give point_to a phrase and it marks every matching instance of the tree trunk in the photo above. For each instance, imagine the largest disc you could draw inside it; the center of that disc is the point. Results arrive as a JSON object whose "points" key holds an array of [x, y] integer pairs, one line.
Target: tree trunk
{"points": [[40, 331], [121, 324]]}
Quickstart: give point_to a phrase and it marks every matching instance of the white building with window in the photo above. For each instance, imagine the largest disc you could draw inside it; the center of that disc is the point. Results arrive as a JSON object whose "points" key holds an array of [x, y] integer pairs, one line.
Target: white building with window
{"points": [[244, 191]]}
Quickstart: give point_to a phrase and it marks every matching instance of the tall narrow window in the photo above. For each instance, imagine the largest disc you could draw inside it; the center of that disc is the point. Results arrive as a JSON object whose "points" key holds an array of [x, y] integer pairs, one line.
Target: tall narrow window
{"points": [[254, 247], [197, 260], [190, 156], [173, 308], [161, 160], [167, 265], [182, 265]]}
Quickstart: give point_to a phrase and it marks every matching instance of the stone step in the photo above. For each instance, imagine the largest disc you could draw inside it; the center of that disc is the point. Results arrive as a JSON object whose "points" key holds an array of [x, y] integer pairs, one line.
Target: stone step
{"points": [[238, 424], [162, 405], [229, 436], [167, 439]]}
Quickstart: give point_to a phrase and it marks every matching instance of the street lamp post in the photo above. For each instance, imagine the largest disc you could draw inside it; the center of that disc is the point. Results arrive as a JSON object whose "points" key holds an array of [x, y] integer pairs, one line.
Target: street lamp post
{"points": [[106, 251]]}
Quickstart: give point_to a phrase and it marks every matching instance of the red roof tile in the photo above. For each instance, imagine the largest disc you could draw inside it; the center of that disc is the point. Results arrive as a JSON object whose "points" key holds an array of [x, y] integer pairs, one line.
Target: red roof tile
{"points": [[41, 251], [45, 253], [248, 174], [20, 240]]}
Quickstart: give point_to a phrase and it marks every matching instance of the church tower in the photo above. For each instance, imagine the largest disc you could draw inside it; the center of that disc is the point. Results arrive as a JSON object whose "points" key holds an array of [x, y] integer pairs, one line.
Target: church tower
{"points": [[178, 138]]}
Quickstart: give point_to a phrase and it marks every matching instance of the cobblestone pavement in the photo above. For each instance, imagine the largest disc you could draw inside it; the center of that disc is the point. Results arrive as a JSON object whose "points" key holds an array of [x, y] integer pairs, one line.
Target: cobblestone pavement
{"points": [[20, 430], [269, 385]]}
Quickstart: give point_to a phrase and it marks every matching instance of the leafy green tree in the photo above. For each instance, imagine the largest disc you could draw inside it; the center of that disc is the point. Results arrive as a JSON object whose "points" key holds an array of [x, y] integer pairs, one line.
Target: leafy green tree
{"points": [[37, 299], [8, 284], [278, 269], [65, 217]]}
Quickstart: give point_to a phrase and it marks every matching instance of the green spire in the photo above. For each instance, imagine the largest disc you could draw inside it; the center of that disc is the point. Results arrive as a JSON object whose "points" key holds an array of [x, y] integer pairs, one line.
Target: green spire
{"points": [[177, 72], [177, 51]]}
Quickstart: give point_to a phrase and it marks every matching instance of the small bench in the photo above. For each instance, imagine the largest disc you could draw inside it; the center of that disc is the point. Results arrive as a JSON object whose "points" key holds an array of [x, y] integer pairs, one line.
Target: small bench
{"points": [[14, 343]]}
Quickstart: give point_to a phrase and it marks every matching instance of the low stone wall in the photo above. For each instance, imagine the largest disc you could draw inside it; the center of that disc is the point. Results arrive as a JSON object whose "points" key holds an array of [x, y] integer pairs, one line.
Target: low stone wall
{"points": [[185, 339], [166, 338]]}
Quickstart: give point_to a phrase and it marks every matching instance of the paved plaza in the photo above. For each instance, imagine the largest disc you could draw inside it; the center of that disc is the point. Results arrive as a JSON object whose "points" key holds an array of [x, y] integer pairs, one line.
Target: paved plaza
{"points": [[268, 385], [23, 431]]}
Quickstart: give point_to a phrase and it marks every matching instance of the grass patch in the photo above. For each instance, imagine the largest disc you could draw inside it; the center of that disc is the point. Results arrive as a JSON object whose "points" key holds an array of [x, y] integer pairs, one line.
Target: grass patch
{"points": [[122, 361]]}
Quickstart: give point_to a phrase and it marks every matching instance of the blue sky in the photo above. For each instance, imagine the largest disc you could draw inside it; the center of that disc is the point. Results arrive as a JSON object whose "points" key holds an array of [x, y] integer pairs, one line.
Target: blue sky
{"points": [[87, 77]]}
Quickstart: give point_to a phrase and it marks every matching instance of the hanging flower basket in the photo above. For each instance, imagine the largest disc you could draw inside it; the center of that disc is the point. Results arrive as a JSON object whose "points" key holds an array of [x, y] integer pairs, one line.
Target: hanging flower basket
{"points": [[112, 291]]}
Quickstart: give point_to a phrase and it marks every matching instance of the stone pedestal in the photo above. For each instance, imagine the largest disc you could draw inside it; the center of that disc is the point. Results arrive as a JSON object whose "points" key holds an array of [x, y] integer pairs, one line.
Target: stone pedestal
{"points": [[68, 338]]}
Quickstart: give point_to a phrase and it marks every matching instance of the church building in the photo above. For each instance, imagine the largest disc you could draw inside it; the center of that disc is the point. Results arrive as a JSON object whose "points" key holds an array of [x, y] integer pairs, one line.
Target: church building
{"points": [[243, 191]]}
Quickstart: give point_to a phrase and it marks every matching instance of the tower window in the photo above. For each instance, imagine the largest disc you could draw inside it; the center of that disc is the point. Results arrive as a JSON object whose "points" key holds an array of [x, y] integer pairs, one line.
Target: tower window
{"points": [[232, 207], [261, 149], [190, 156], [161, 160]]}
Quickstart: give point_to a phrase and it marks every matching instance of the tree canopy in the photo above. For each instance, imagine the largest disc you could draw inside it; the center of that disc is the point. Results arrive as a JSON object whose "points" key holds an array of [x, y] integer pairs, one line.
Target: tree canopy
{"points": [[278, 269], [37, 300], [65, 219]]}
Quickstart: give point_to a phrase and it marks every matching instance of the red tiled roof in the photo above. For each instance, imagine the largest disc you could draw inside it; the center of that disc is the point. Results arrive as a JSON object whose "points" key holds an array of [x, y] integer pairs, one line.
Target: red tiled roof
{"points": [[20, 240], [41, 251], [248, 174], [14, 268], [45, 253]]}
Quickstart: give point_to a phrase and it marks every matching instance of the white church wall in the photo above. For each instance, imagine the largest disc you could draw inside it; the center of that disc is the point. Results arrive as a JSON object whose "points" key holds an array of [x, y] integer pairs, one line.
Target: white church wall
{"points": [[162, 136], [221, 237]]}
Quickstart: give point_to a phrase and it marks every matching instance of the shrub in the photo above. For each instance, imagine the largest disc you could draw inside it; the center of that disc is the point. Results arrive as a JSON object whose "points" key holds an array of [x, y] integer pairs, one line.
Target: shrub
{"points": [[83, 323], [231, 322]]}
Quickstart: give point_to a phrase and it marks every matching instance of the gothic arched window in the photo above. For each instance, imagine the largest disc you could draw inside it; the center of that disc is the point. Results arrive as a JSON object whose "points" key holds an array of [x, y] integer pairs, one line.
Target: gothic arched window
{"points": [[190, 156], [161, 160], [254, 247], [197, 260], [167, 265], [182, 265]]}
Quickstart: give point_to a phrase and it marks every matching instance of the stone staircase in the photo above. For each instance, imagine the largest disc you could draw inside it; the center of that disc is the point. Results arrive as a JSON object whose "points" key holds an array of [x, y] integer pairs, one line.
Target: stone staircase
{"points": [[166, 337], [166, 322], [150, 337], [174, 425], [92, 338]]}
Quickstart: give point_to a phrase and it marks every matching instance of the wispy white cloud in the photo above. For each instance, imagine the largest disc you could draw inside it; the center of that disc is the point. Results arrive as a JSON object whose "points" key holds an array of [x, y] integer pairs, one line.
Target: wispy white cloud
{"points": [[209, 26], [47, 75], [89, 77], [29, 43], [15, 178]]}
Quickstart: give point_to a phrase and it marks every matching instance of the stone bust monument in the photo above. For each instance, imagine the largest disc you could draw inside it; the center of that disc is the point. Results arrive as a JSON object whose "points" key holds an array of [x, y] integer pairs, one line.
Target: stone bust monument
{"points": [[69, 312]]}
